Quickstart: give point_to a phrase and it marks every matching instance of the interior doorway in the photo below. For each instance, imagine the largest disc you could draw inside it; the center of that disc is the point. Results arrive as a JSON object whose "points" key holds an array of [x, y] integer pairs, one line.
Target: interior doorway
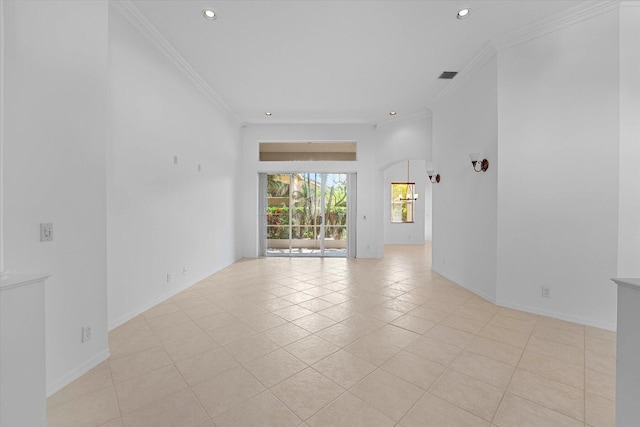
{"points": [[306, 214]]}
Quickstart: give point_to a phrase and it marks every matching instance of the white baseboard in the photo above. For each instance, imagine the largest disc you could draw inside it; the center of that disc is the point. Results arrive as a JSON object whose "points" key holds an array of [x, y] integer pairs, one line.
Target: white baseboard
{"points": [[76, 373], [557, 315], [163, 297], [476, 291], [529, 309], [85, 367]]}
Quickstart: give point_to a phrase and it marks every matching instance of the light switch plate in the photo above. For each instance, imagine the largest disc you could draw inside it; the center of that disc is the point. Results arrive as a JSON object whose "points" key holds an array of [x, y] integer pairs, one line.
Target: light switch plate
{"points": [[46, 231]]}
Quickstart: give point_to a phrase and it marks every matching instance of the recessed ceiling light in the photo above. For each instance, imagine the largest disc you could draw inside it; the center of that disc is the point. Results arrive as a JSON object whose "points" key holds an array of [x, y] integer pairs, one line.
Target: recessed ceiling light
{"points": [[463, 13], [209, 14], [268, 114], [392, 113]]}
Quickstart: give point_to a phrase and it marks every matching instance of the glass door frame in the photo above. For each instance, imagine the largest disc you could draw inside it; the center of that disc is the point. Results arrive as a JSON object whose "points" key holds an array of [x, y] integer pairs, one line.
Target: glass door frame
{"points": [[319, 227]]}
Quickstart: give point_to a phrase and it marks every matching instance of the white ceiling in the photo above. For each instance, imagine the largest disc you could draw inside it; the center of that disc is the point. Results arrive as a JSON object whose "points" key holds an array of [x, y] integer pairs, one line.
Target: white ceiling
{"points": [[340, 61]]}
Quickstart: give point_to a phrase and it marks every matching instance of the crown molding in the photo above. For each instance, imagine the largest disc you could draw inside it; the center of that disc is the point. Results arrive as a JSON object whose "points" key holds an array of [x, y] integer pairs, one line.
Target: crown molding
{"points": [[424, 114], [556, 22], [136, 18], [485, 54], [629, 3]]}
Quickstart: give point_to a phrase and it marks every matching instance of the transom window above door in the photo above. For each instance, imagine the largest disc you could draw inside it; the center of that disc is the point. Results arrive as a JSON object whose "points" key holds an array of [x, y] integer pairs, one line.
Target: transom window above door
{"points": [[307, 151]]}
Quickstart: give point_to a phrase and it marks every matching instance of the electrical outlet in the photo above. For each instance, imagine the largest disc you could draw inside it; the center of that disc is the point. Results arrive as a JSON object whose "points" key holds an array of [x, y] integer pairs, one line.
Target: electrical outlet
{"points": [[46, 232], [86, 333], [184, 271], [168, 277], [546, 292]]}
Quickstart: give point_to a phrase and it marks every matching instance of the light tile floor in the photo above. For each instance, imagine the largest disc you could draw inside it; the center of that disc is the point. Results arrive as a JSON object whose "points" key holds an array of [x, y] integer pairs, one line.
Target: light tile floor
{"points": [[337, 342]]}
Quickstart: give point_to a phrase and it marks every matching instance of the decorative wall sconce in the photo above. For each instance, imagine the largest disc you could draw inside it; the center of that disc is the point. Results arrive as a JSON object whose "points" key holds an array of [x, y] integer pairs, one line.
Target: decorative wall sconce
{"points": [[434, 179], [483, 164]]}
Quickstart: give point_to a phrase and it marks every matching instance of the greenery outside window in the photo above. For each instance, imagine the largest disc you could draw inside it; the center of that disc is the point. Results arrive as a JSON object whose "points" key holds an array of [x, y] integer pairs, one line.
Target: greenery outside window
{"points": [[306, 214], [403, 199]]}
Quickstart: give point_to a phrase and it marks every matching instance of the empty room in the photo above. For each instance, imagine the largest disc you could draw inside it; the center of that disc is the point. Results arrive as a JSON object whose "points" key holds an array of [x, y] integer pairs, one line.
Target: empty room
{"points": [[319, 213]]}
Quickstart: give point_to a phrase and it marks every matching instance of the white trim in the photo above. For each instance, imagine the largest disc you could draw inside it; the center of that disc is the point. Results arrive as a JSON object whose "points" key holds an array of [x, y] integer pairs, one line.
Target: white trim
{"points": [[2, 27], [262, 216], [484, 295], [558, 315], [10, 281], [112, 324], [386, 166], [76, 373], [630, 3], [628, 283], [485, 54], [556, 22], [352, 215], [528, 309], [570, 17], [136, 18]]}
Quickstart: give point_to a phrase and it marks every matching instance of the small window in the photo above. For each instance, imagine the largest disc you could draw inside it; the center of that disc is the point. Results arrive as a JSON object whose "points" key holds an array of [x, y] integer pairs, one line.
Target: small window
{"points": [[307, 151], [403, 198]]}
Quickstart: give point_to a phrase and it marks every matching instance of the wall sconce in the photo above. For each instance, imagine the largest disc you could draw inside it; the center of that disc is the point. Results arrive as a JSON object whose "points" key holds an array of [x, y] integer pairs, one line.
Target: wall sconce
{"points": [[484, 163], [433, 179]]}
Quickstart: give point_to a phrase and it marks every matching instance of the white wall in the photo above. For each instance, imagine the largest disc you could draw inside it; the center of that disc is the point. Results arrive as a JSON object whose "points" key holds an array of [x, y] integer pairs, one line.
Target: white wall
{"points": [[54, 97], [558, 182], [399, 141], [403, 139], [628, 344], [163, 217], [2, 31], [465, 202], [369, 230], [629, 195]]}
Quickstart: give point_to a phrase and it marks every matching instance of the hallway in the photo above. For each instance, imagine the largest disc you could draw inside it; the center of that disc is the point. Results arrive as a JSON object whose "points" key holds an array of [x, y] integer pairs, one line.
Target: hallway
{"points": [[343, 342]]}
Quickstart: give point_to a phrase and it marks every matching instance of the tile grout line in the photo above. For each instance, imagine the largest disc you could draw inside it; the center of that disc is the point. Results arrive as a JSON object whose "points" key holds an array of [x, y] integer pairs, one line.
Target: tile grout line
{"points": [[506, 389], [189, 385], [447, 367], [358, 290], [113, 388], [344, 391], [551, 379]]}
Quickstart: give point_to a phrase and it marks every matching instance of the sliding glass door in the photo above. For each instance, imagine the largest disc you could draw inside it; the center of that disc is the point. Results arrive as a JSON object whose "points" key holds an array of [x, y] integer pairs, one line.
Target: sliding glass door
{"points": [[306, 214]]}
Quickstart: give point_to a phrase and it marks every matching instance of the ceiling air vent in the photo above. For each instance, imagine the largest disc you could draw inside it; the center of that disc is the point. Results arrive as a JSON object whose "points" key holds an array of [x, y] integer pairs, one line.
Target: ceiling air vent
{"points": [[448, 75]]}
